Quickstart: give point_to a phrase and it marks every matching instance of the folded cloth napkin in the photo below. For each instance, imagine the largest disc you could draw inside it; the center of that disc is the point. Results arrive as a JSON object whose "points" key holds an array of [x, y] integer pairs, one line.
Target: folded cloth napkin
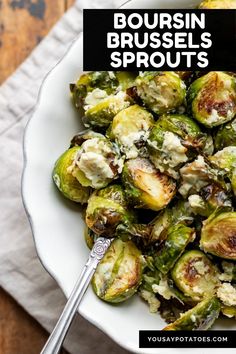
{"points": [[21, 273]]}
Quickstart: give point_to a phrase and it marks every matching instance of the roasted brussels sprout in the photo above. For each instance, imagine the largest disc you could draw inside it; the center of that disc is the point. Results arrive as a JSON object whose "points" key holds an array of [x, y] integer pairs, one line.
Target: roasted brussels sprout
{"points": [[218, 4], [161, 92], [200, 317], [97, 163], [195, 275], [130, 129], [226, 160], [226, 135], [172, 141], [218, 235], [106, 209], [210, 199], [119, 273], [177, 238], [198, 174], [90, 237], [212, 98], [100, 115], [62, 175], [145, 186], [101, 83]]}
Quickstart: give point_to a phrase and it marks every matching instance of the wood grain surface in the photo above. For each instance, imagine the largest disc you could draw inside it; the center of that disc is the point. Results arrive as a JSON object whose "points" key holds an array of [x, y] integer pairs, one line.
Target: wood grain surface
{"points": [[23, 23]]}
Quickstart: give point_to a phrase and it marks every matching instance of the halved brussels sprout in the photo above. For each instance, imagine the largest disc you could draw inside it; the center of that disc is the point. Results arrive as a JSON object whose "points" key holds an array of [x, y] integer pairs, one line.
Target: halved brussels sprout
{"points": [[200, 317], [97, 163], [130, 129], [161, 92], [210, 198], [198, 174], [176, 240], [218, 235], [107, 209], [62, 175], [212, 98], [172, 141], [226, 135], [229, 311], [102, 82], [119, 273], [180, 213], [100, 114], [145, 186], [195, 275], [218, 4]]}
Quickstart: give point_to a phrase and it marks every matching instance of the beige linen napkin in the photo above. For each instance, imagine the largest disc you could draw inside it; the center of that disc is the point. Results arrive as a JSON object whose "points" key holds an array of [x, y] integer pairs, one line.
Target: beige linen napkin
{"points": [[21, 273]]}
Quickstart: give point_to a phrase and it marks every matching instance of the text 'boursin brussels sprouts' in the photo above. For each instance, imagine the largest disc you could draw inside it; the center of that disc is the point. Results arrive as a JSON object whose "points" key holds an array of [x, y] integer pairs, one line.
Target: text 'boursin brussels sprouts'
{"points": [[158, 39]]}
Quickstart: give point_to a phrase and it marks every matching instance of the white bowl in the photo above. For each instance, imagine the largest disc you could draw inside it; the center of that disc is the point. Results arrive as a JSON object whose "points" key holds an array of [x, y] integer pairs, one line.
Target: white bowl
{"points": [[57, 224]]}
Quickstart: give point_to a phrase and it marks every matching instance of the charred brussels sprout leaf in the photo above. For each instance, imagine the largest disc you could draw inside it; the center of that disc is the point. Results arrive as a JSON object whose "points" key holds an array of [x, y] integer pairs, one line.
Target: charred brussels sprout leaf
{"points": [[99, 81], [218, 4], [161, 92], [200, 317], [106, 210], [97, 163], [119, 273], [172, 140], [145, 186], [226, 135], [195, 275], [130, 129], [68, 185], [218, 235], [212, 99], [101, 114], [177, 238]]}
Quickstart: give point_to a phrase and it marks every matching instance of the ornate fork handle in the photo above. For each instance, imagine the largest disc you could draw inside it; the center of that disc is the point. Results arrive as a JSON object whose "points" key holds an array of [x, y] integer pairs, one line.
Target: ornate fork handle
{"points": [[57, 337]]}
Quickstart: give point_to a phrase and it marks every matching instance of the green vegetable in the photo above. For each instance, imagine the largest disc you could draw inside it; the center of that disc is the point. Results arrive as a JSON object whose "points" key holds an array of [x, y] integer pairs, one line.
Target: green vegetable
{"points": [[130, 129], [226, 135], [177, 238], [195, 275], [63, 177], [212, 98], [200, 317], [172, 141], [161, 92], [101, 114], [97, 163], [218, 235], [119, 273], [107, 209], [146, 187]]}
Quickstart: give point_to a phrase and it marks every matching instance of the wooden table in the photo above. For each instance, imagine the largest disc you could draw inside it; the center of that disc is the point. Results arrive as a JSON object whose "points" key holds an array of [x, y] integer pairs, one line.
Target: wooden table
{"points": [[23, 23]]}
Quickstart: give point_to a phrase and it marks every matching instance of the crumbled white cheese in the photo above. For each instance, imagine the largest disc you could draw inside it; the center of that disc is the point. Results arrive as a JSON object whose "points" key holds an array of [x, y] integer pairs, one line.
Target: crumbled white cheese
{"points": [[196, 202], [228, 268], [153, 302], [163, 289], [213, 117], [193, 318], [194, 176], [201, 267], [94, 97], [227, 294], [93, 161], [174, 149]]}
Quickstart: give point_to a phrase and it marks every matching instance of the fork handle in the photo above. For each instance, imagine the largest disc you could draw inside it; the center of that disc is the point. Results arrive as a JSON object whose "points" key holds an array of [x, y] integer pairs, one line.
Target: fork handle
{"points": [[56, 339]]}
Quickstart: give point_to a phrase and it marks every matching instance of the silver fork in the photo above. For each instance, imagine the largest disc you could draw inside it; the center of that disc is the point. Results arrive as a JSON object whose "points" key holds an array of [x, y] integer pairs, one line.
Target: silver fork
{"points": [[56, 339]]}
